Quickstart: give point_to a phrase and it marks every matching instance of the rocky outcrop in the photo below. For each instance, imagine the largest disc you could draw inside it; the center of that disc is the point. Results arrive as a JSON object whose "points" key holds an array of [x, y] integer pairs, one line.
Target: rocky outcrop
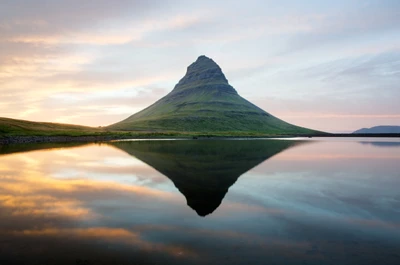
{"points": [[204, 72]]}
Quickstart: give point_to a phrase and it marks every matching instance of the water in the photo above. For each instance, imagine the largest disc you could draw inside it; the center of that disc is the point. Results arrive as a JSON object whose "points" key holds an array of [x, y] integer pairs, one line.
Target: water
{"points": [[310, 201]]}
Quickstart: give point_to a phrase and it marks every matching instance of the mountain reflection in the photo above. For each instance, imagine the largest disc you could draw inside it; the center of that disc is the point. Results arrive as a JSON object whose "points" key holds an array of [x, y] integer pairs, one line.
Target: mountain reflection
{"points": [[381, 144], [330, 202], [203, 171]]}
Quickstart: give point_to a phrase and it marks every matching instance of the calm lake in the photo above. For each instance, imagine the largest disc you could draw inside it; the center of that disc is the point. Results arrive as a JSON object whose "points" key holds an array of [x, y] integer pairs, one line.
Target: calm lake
{"points": [[304, 201]]}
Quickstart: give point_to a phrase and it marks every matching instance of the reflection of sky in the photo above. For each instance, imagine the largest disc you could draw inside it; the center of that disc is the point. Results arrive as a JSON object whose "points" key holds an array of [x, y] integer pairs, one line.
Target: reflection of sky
{"points": [[349, 184], [330, 202]]}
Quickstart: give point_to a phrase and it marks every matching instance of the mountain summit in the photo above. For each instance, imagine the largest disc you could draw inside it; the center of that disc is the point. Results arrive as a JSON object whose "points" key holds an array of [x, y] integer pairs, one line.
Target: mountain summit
{"points": [[204, 71], [204, 101]]}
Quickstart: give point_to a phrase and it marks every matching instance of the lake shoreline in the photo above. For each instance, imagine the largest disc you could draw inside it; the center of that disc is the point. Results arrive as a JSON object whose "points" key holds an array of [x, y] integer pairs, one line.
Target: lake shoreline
{"points": [[100, 138], [55, 139]]}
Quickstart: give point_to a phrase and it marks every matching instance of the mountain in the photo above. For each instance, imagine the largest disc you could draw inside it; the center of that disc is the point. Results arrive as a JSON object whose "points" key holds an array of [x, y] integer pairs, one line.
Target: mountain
{"points": [[379, 129], [203, 170], [204, 101]]}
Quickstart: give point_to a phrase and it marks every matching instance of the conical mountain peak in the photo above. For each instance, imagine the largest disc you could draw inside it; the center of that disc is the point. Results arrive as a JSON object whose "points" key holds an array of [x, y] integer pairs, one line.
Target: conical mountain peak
{"points": [[204, 71], [203, 63], [204, 101]]}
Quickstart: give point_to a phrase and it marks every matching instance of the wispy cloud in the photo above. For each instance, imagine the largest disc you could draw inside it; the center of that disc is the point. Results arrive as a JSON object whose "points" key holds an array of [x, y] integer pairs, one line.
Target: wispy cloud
{"points": [[319, 53]]}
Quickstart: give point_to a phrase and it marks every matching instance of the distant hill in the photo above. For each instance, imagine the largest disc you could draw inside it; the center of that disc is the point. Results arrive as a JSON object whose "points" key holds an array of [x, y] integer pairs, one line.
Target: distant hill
{"points": [[379, 129], [204, 101], [11, 127]]}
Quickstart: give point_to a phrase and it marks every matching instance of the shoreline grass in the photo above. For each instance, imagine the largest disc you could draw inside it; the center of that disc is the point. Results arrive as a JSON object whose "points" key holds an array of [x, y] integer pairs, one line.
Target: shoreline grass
{"points": [[19, 128], [14, 131]]}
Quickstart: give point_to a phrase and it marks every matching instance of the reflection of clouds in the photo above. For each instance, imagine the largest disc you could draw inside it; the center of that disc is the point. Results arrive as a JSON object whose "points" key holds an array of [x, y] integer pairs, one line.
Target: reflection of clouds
{"points": [[34, 203], [314, 215], [81, 163], [343, 185], [330, 156], [29, 184], [33, 182], [39, 206], [335, 156], [336, 150], [230, 209], [373, 223], [237, 208], [44, 205], [382, 143], [111, 235], [212, 234], [105, 164]]}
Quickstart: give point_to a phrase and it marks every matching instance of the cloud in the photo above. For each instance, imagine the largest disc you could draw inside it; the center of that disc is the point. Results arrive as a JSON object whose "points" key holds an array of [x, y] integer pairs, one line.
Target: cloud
{"points": [[83, 107], [57, 17], [268, 51], [357, 24]]}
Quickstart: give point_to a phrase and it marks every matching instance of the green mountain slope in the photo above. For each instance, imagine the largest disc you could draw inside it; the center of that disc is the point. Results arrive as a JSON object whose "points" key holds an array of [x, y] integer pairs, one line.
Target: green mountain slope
{"points": [[12, 127], [203, 101]]}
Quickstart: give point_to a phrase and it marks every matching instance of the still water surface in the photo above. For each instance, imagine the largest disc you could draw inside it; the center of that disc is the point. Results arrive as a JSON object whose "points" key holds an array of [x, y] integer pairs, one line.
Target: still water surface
{"points": [[312, 201]]}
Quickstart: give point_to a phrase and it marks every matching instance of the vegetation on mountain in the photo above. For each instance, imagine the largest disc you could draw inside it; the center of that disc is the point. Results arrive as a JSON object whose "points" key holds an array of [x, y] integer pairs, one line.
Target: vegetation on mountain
{"points": [[202, 104], [204, 101], [13, 127]]}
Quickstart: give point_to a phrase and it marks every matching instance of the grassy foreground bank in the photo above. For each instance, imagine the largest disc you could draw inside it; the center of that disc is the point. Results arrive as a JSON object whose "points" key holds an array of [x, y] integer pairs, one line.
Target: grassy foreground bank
{"points": [[20, 131], [14, 131]]}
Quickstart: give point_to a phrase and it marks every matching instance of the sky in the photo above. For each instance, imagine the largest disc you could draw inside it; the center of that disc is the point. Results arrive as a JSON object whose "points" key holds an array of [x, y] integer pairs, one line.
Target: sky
{"points": [[327, 65]]}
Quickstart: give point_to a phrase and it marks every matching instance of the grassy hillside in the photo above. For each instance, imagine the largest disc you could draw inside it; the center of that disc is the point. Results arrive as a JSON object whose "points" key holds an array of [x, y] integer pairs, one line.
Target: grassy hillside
{"points": [[207, 110], [12, 127], [203, 101]]}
